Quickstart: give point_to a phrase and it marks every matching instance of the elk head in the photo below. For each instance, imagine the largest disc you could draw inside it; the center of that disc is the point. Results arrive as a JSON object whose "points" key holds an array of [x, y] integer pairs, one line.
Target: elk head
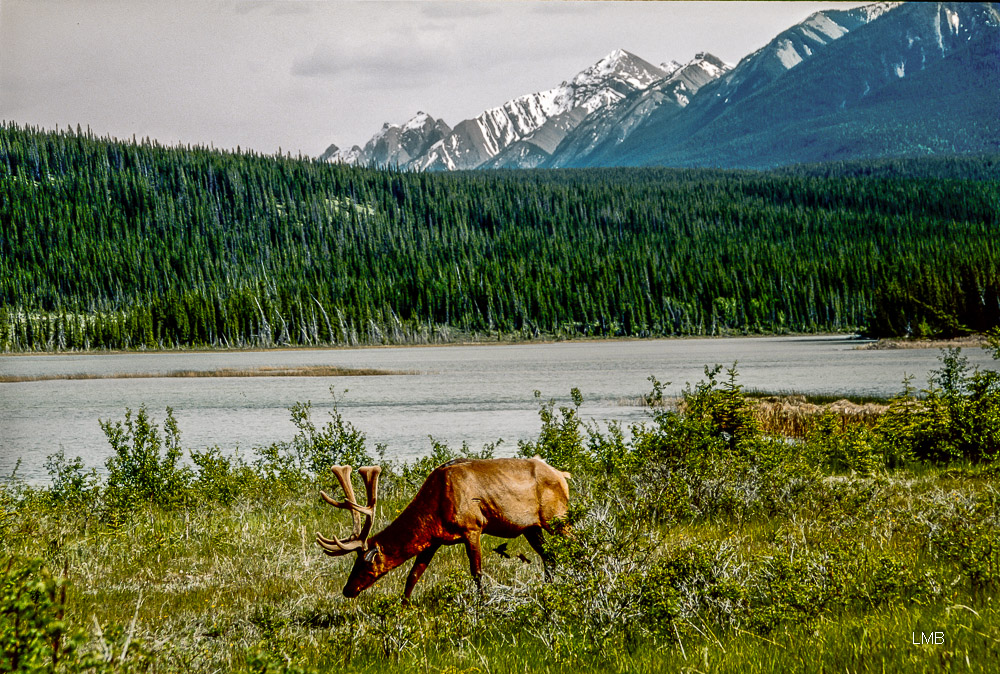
{"points": [[370, 564]]}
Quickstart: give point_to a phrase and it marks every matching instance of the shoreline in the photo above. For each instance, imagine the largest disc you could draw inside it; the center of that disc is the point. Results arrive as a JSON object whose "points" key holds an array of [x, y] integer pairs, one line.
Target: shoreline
{"points": [[304, 371], [972, 341], [853, 336]]}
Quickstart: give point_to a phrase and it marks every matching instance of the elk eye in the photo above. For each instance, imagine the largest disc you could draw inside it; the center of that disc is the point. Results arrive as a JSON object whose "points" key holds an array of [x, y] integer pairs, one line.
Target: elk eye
{"points": [[370, 555]]}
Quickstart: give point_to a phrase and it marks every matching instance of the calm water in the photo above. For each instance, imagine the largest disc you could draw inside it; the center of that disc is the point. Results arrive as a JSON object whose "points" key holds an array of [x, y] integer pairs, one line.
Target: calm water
{"points": [[474, 394]]}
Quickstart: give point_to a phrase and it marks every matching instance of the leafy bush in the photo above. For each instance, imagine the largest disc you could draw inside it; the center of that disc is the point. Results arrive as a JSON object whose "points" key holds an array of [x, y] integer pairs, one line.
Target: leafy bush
{"points": [[560, 440], [845, 448], [72, 486], [32, 630], [338, 442], [140, 471], [35, 634], [220, 478], [958, 418]]}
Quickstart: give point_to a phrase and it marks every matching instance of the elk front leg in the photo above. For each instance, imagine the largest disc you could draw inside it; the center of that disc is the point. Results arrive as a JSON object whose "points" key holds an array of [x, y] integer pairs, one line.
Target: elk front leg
{"points": [[419, 566], [475, 558]]}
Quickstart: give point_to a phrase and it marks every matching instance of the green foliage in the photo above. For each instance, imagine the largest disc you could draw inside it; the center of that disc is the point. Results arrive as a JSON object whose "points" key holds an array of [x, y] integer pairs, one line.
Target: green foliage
{"points": [[560, 441], [72, 485], [723, 408], [107, 244], [35, 634], [691, 538], [854, 448], [969, 535], [145, 468], [339, 442], [958, 418], [221, 478], [32, 630]]}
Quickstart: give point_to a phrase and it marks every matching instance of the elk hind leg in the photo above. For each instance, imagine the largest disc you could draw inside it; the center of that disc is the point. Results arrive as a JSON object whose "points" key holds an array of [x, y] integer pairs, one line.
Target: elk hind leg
{"points": [[537, 541]]}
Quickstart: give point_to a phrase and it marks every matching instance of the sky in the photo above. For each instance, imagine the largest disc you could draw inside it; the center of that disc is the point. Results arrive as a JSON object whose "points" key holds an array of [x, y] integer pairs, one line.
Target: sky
{"points": [[299, 75]]}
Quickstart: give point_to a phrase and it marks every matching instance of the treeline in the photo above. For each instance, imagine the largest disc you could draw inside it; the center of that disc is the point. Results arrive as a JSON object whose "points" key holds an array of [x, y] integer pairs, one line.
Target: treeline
{"points": [[109, 244]]}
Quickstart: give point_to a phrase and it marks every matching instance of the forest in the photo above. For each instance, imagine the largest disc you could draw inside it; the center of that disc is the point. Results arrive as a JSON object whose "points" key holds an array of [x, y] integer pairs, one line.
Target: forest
{"points": [[109, 244]]}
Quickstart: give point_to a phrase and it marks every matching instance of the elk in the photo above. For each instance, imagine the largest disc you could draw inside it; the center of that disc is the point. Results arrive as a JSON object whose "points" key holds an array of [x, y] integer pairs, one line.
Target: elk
{"points": [[458, 502]]}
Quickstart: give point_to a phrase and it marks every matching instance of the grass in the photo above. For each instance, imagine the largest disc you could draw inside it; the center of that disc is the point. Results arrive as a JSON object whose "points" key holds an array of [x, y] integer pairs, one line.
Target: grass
{"points": [[701, 543], [207, 585]]}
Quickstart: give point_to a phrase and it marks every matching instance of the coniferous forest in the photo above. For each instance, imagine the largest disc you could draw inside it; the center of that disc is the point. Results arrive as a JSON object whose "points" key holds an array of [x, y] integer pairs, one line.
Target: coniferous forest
{"points": [[107, 244]]}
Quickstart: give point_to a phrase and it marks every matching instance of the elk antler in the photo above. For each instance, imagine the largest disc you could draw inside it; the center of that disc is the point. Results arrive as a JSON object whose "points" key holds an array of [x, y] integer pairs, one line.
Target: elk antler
{"points": [[359, 534]]}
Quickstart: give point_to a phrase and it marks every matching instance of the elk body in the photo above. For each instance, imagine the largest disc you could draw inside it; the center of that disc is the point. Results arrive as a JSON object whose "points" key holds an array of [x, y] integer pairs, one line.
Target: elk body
{"points": [[459, 501]]}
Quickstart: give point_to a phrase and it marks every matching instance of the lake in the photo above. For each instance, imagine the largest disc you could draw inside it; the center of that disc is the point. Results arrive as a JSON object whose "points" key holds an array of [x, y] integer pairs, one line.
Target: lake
{"points": [[474, 394]]}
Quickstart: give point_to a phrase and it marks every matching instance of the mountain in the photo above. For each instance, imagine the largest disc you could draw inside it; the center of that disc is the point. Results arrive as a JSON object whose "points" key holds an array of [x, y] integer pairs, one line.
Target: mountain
{"points": [[882, 80], [613, 123], [535, 122], [541, 119], [393, 145]]}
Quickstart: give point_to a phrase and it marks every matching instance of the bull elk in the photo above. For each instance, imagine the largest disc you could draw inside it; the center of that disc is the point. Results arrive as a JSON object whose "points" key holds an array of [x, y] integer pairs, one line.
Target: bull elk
{"points": [[458, 502]]}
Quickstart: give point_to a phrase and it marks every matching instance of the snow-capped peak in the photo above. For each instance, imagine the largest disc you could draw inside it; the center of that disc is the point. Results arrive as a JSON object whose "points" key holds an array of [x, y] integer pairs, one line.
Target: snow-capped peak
{"points": [[670, 67], [877, 9], [417, 121], [622, 65]]}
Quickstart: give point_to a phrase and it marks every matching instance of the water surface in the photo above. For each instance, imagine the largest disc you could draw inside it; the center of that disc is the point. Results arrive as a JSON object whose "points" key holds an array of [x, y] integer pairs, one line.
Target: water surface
{"points": [[473, 394]]}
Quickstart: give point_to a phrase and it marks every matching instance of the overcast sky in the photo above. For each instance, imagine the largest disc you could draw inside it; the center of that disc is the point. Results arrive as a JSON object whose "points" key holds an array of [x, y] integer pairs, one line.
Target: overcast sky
{"points": [[301, 75]]}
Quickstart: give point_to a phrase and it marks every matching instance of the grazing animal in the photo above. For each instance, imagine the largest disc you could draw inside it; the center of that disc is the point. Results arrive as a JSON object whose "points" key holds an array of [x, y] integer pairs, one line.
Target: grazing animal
{"points": [[459, 501]]}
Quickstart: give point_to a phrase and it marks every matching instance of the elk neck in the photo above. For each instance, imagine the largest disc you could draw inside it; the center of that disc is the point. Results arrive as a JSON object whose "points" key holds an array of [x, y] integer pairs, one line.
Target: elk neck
{"points": [[409, 534]]}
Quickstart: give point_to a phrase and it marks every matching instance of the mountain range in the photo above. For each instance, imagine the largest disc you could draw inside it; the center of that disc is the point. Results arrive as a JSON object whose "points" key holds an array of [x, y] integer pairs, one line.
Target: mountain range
{"points": [[881, 80]]}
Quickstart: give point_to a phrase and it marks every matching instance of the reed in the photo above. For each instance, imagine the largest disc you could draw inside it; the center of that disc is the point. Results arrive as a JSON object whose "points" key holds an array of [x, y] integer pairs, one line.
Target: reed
{"points": [[793, 416]]}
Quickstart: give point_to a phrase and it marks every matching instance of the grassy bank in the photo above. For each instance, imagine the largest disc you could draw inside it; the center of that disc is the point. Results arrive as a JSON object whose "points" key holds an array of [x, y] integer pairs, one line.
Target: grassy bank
{"points": [[701, 543]]}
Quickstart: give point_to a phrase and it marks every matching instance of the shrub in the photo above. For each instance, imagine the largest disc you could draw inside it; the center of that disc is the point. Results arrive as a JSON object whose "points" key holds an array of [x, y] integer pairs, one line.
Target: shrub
{"points": [[957, 419], [845, 448], [220, 478], [338, 442], [72, 486], [560, 440], [145, 467]]}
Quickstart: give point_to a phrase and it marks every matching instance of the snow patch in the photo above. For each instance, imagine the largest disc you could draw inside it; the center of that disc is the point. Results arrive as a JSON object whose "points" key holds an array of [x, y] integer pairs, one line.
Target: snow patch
{"points": [[937, 31], [812, 36], [825, 25], [787, 55], [417, 121], [875, 10], [952, 20], [670, 67]]}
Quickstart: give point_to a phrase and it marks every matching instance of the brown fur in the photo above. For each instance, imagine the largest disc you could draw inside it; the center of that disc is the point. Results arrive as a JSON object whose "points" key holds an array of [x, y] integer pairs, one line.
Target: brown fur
{"points": [[460, 501]]}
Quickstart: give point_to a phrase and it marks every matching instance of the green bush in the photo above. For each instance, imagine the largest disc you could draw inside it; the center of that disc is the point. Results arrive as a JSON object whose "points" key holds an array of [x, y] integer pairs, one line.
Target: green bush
{"points": [[560, 440], [957, 419], [145, 468], [221, 478], [72, 485], [338, 442]]}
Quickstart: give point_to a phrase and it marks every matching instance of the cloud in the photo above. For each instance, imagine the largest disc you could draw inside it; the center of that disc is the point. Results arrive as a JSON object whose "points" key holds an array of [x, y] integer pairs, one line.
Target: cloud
{"points": [[405, 55], [457, 10], [376, 61]]}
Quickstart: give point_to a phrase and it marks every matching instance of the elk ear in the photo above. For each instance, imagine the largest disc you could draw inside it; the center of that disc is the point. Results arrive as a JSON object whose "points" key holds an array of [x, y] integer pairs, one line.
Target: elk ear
{"points": [[371, 555]]}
